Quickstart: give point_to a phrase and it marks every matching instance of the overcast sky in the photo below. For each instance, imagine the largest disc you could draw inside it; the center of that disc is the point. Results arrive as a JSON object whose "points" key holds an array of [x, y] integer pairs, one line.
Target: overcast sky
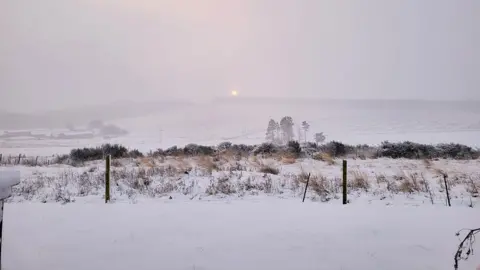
{"points": [[58, 53]]}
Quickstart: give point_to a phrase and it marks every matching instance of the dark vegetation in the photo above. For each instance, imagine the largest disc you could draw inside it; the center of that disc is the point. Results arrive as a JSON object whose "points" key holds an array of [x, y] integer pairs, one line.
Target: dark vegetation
{"points": [[334, 149]]}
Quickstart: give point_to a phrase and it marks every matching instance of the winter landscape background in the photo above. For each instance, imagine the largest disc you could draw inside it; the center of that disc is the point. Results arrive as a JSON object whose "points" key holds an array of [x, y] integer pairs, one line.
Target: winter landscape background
{"points": [[162, 85]]}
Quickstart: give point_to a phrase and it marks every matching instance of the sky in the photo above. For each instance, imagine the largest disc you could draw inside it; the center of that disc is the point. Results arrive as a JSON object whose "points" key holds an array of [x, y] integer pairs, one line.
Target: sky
{"points": [[57, 54]]}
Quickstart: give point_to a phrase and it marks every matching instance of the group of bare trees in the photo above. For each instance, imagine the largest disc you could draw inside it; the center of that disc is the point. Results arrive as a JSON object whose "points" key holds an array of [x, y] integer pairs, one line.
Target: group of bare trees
{"points": [[282, 132]]}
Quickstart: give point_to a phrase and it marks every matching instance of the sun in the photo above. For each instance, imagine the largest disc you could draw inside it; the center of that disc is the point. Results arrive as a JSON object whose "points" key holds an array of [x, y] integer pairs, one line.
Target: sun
{"points": [[234, 93]]}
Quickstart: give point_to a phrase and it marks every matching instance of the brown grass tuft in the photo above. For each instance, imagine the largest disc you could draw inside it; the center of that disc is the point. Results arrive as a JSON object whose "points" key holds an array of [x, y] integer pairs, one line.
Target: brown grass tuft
{"points": [[325, 157], [288, 160], [359, 180], [207, 163]]}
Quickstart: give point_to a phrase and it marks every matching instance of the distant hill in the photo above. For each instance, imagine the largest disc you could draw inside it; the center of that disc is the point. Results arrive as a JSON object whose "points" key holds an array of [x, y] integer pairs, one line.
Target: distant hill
{"points": [[83, 115]]}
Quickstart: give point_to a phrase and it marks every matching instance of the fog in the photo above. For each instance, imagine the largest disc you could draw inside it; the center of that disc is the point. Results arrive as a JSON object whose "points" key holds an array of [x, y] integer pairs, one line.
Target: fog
{"points": [[58, 54]]}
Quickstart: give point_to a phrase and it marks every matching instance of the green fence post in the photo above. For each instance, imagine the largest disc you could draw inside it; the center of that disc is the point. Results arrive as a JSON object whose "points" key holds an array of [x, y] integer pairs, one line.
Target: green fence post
{"points": [[344, 183], [107, 179]]}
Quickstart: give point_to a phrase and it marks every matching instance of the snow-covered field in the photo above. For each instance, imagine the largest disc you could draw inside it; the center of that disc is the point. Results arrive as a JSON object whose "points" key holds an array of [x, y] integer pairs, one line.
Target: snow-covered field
{"points": [[261, 233], [228, 213], [385, 181]]}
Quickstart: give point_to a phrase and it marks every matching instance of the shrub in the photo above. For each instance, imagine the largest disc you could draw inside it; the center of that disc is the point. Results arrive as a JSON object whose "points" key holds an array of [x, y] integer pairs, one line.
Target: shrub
{"points": [[457, 151], [195, 149], [266, 149], [224, 146], [293, 147], [135, 153], [96, 153], [337, 149], [407, 150], [269, 170], [172, 151], [242, 149]]}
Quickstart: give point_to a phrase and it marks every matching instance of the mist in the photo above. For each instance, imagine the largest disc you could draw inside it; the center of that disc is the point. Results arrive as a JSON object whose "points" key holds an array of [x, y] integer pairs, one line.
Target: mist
{"points": [[57, 54]]}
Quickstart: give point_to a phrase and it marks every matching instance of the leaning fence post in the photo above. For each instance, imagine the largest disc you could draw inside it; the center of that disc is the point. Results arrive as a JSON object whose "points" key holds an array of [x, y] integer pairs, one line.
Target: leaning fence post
{"points": [[306, 186], [8, 179], [446, 189], [107, 179], [344, 182]]}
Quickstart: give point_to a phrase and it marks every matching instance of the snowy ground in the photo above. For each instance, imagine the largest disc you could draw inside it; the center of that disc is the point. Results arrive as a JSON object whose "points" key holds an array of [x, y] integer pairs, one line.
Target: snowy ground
{"points": [[229, 214], [262, 233], [384, 181]]}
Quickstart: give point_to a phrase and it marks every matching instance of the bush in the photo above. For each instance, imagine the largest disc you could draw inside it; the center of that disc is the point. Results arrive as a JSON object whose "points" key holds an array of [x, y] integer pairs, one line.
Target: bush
{"points": [[135, 154], [96, 153], [407, 150], [266, 149], [269, 170], [195, 149], [294, 148], [337, 149], [457, 151], [242, 149], [224, 146], [172, 151]]}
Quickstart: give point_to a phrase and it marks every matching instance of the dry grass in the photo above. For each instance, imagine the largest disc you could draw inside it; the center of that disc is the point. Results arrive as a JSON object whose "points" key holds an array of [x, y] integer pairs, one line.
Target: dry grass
{"points": [[206, 162], [269, 169], [381, 178], [473, 187], [288, 160], [325, 157], [319, 184], [428, 163], [147, 162], [359, 180]]}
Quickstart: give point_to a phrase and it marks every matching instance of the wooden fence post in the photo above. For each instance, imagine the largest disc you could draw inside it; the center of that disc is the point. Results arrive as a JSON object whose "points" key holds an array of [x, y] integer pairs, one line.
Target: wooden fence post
{"points": [[107, 179], [306, 186], [446, 189], [344, 183]]}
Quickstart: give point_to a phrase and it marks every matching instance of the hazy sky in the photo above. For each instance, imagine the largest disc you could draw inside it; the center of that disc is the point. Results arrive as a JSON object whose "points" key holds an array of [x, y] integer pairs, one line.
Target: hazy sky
{"points": [[58, 53]]}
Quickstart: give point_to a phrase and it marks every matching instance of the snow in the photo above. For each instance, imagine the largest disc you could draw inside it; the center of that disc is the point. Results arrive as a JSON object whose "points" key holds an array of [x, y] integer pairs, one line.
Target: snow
{"points": [[134, 180], [56, 218], [251, 234]]}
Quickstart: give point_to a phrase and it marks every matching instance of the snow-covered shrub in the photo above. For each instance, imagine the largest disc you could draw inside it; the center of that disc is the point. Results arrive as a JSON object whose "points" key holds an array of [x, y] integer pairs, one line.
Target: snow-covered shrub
{"points": [[135, 153], [457, 151], [266, 149], [195, 149], [96, 153], [224, 146], [294, 148], [336, 149], [407, 149]]}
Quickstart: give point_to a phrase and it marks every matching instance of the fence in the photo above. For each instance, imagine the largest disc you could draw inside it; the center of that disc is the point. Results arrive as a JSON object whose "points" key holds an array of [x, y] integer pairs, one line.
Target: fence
{"points": [[27, 160]]}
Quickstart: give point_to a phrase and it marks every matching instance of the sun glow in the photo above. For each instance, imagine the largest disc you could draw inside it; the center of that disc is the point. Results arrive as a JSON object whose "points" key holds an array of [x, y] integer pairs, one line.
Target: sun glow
{"points": [[234, 93]]}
